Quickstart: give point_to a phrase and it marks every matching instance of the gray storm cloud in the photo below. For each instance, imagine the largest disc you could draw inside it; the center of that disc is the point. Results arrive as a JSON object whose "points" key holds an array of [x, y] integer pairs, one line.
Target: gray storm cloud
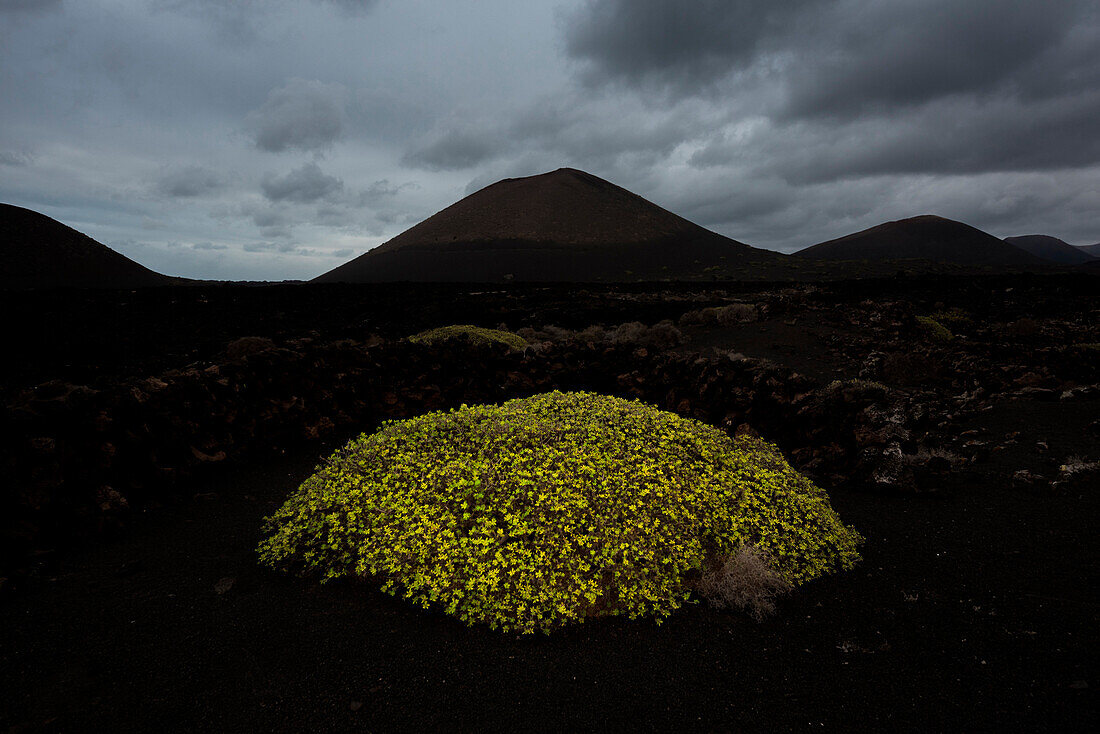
{"points": [[827, 91], [909, 53], [353, 7], [303, 115], [238, 20], [11, 158], [302, 185], [280, 247], [835, 56], [189, 181], [29, 6], [685, 45], [455, 151]]}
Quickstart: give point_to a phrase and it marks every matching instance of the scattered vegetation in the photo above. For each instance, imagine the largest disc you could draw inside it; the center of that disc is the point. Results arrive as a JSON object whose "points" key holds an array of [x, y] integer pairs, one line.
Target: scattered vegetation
{"points": [[954, 317], [924, 455], [858, 385], [934, 329], [661, 335], [551, 509], [1077, 465], [472, 334]]}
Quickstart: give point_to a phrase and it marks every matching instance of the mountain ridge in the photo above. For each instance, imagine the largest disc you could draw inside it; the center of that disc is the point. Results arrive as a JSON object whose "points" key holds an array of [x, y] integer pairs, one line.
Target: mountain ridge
{"points": [[41, 252], [1051, 249], [1093, 250], [565, 225], [926, 237]]}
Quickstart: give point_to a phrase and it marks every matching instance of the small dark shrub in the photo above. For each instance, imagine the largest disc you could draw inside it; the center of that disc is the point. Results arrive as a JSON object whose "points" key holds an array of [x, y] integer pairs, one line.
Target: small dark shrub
{"points": [[661, 335], [1020, 329], [745, 581]]}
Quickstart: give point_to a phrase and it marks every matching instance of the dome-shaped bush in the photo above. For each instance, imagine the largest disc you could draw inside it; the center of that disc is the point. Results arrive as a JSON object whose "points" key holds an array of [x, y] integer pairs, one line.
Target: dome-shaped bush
{"points": [[470, 333], [543, 511]]}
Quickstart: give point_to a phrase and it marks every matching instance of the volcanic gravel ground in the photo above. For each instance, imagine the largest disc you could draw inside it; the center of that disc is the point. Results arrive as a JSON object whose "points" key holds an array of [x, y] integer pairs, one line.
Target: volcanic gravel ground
{"points": [[973, 609], [802, 346]]}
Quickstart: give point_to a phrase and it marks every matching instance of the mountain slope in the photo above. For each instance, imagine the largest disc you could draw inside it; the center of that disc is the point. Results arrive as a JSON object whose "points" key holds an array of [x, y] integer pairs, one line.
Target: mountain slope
{"points": [[925, 237], [1051, 249], [1093, 250], [566, 225], [40, 252]]}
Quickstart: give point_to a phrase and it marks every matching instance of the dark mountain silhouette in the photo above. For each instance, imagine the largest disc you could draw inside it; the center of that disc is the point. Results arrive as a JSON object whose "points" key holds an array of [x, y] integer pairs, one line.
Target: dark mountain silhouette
{"points": [[1051, 249], [566, 225], [1093, 250], [40, 252], [925, 237]]}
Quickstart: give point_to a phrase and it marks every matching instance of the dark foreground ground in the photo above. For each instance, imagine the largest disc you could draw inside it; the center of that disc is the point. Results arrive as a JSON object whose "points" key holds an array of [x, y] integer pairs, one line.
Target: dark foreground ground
{"points": [[973, 610], [975, 607]]}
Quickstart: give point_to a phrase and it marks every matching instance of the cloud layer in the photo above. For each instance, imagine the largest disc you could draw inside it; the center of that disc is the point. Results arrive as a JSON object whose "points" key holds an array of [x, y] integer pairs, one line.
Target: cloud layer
{"points": [[303, 185], [251, 139], [302, 115]]}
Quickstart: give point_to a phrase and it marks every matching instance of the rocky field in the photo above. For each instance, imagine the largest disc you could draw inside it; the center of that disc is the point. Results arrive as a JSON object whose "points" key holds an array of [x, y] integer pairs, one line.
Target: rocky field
{"points": [[955, 423]]}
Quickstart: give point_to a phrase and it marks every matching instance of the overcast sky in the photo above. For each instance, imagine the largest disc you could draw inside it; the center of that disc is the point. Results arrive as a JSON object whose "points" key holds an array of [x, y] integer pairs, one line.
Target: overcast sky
{"points": [[271, 139]]}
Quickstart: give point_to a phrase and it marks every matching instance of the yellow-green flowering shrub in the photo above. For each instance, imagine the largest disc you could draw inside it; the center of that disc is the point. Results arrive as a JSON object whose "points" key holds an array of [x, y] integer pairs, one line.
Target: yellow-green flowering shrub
{"points": [[544, 511], [473, 334]]}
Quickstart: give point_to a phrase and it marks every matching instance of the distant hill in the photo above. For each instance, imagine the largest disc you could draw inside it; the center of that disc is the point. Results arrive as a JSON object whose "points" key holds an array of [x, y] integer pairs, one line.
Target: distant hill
{"points": [[40, 252], [1051, 249], [566, 225], [925, 237], [1093, 250]]}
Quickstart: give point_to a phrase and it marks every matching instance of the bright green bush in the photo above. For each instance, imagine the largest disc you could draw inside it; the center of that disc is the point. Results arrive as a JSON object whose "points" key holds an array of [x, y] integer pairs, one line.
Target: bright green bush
{"points": [[547, 510], [934, 329], [473, 334]]}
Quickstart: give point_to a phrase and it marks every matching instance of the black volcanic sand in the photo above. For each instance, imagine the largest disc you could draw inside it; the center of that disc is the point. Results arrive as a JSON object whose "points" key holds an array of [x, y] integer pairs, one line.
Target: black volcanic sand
{"points": [[974, 608]]}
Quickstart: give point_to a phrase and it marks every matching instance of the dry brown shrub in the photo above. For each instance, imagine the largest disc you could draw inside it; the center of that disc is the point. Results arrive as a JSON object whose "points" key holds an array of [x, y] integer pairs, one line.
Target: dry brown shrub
{"points": [[661, 335], [593, 335], [745, 581], [734, 313], [664, 334], [629, 333]]}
